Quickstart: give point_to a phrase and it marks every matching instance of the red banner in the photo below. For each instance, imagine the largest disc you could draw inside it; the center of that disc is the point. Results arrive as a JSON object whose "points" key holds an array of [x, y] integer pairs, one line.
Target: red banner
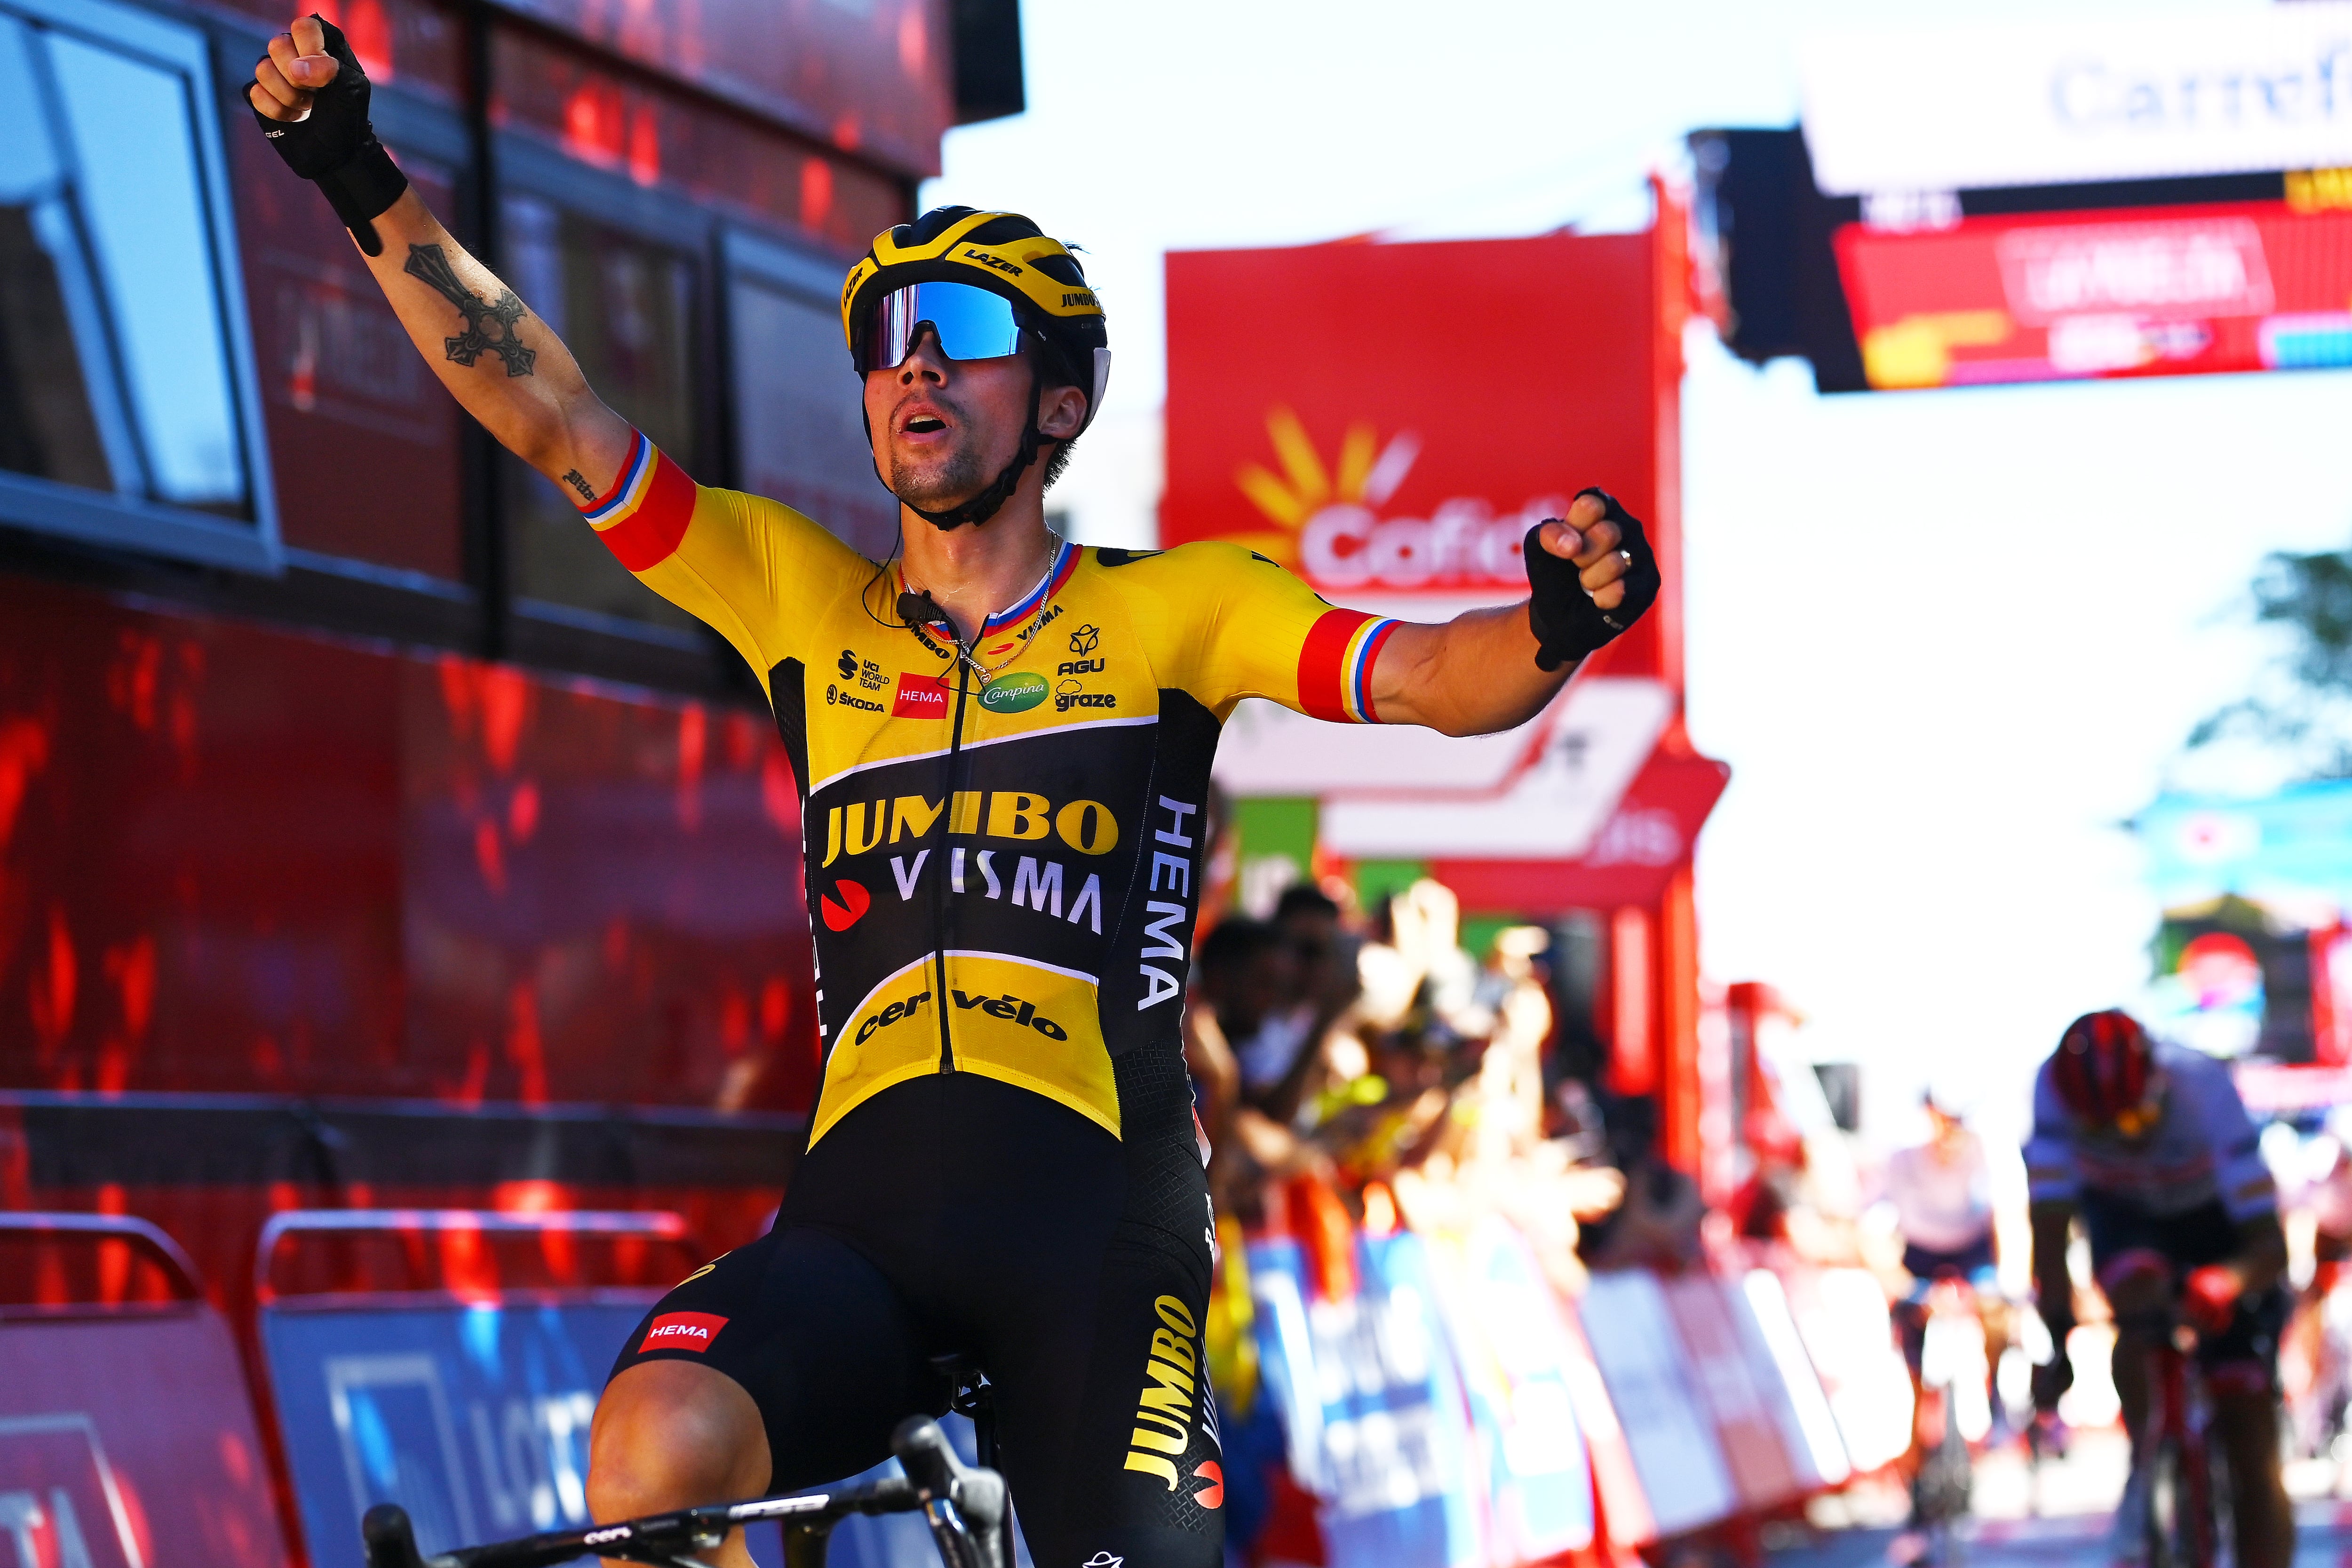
{"points": [[2149, 291], [1389, 419]]}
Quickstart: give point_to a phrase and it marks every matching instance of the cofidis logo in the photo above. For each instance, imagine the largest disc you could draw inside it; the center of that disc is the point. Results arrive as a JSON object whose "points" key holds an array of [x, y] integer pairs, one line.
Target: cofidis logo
{"points": [[1328, 524]]}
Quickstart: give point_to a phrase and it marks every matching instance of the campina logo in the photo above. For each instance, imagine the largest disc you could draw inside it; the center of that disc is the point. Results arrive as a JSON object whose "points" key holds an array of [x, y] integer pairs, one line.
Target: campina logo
{"points": [[1014, 693], [1327, 518]]}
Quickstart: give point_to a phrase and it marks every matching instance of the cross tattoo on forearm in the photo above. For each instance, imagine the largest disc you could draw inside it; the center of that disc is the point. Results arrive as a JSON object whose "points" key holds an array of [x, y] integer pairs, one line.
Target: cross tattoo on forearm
{"points": [[489, 327]]}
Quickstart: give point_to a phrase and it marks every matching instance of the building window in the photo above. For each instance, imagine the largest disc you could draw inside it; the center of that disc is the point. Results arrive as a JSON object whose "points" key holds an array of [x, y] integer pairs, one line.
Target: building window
{"points": [[126, 392], [798, 430], [627, 308]]}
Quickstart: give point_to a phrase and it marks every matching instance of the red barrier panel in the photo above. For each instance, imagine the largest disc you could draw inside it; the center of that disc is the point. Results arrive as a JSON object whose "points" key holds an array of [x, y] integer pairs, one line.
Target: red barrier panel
{"points": [[124, 1422]]}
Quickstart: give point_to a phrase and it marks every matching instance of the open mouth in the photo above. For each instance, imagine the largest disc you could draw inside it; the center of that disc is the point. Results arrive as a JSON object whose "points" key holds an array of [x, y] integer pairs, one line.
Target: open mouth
{"points": [[924, 424]]}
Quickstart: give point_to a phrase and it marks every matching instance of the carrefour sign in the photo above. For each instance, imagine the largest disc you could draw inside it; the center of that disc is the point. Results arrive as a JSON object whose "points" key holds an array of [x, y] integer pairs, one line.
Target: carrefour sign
{"points": [[2061, 103]]}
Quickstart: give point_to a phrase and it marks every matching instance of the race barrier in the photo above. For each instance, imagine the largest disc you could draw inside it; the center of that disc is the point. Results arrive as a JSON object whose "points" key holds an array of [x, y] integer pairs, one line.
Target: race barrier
{"points": [[468, 1403], [123, 1409], [467, 1406], [1431, 1400], [1443, 1404]]}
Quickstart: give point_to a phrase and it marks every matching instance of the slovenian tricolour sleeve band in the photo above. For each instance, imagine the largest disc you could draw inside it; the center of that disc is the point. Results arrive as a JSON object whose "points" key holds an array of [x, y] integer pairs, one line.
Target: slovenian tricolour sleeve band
{"points": [[645, 515], [1334, 665]]}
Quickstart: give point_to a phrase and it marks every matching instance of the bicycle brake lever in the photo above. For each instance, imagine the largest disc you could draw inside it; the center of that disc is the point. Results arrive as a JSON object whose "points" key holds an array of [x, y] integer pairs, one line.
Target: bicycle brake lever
{"points": [[392, 1541], [964, 1505]]}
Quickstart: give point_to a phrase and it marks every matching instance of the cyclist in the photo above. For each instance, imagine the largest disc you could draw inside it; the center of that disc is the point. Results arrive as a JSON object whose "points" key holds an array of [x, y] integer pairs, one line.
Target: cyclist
{"points": [[1942, 1194], [1004, 746], [2149, 1145]]}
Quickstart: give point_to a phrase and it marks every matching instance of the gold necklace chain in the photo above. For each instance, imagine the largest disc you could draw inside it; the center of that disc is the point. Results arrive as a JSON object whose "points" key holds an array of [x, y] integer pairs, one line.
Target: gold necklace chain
{"points": [[989, 672]]}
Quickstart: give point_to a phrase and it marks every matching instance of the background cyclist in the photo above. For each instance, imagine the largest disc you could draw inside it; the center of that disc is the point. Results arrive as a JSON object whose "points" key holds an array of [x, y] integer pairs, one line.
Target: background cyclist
{"points": [[2150, 1146]]}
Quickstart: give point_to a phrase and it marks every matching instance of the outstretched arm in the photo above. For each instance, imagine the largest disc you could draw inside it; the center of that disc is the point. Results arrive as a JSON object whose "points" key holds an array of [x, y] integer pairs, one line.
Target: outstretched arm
{"points": [[493, 355], [1478, 673]]}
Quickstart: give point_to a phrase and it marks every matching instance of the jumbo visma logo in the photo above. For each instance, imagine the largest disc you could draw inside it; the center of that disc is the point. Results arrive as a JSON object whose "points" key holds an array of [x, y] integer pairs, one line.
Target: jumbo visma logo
{"points": [[1015, 693]]}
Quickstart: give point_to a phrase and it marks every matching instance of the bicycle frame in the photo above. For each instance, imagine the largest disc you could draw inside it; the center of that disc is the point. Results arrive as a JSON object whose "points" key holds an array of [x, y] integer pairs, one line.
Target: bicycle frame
{"points": [[2185, 1494]]}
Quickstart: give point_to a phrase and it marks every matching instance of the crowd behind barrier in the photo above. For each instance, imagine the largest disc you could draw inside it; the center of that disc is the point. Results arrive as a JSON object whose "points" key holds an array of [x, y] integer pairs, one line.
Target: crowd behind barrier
{"points": [[1463, 1313]]}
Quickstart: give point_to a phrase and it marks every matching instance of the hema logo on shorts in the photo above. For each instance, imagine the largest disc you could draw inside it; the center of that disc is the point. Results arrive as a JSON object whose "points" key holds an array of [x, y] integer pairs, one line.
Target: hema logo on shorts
{"points": [[682, 1332]]}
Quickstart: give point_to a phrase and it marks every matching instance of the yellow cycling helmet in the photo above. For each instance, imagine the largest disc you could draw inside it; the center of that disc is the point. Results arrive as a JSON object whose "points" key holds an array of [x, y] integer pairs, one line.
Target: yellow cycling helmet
{"points": [[1007, 256]]}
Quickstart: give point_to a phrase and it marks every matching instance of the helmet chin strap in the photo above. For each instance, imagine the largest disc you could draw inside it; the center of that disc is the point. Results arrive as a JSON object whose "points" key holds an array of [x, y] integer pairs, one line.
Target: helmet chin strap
{"points": [[988, 502]]}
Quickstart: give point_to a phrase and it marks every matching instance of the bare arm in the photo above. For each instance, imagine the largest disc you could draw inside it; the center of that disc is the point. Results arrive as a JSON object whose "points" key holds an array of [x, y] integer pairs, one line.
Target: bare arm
{"points": [[1476, 673], [496, 358], [2053, 1286]]}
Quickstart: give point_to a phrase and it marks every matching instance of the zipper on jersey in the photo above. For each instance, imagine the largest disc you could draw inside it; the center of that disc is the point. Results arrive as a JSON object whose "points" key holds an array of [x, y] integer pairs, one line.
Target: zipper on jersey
{"points": [[939, 881]]}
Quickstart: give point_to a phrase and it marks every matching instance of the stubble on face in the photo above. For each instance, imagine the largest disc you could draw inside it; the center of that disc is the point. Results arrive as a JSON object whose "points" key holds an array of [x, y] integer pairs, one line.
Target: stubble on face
{"points": [[946, 478]]}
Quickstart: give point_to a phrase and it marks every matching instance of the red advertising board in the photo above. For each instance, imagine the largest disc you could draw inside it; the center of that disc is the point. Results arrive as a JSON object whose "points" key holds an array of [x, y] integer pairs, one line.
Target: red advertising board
{"points": [[2143, 291], [1388, 419]]}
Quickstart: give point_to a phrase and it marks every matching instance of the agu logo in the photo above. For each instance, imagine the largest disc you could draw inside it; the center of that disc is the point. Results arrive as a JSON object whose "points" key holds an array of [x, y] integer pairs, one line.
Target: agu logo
{"points": [[682, 1332]]}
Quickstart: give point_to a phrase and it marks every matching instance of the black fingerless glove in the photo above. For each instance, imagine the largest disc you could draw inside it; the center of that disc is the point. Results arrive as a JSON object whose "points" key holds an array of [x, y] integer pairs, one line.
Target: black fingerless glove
{"points": [[335, 148], [1567, 623]]}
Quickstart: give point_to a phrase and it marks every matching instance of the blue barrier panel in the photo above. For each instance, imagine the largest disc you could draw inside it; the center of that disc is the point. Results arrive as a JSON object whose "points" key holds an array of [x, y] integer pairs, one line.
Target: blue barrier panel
{"points": [[474, 1418], [1507, 1333], [1372, 1407]]}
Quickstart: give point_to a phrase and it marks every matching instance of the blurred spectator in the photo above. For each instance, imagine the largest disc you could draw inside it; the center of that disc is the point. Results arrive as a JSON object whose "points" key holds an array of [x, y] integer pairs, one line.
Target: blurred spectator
{"points": [[1657, 1224], [1250, 977]]}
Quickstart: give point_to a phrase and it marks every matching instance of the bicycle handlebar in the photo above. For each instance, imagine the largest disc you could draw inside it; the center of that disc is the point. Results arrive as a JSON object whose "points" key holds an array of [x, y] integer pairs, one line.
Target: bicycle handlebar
{"points": [[964, 1506]]}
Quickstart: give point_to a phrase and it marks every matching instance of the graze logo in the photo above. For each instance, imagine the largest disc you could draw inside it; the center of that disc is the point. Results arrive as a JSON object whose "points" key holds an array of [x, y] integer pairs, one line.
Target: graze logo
{"points": [[863, 826], [1070, 694], [854, 901], [1085, 640], [1327, 519], [682, 1332], [920, 696], [1014, 693], [1162, 1432], [1167, 924]]}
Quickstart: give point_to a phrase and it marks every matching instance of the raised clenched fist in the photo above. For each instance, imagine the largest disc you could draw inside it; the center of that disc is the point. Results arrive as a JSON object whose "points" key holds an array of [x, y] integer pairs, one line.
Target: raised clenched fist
{"points": [[287, 79], [311, 97]]}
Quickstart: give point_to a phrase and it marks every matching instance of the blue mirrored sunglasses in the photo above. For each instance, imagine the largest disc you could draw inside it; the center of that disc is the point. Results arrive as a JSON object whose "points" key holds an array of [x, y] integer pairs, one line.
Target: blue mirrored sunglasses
{"points": [[969, 323]]}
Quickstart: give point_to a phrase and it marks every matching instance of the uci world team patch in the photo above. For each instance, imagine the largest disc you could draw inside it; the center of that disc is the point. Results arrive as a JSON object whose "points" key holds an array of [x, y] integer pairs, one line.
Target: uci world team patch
{"points": [[682, 1332]]}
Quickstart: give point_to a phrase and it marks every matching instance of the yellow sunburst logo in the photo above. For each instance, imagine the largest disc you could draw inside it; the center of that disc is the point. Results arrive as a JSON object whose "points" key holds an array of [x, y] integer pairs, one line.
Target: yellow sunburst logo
{"points": [[1366, 475]]}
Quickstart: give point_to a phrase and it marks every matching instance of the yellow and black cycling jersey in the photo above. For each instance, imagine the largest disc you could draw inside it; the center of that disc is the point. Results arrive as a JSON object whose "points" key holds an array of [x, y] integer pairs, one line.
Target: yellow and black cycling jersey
{"points": [[1002, 875]]}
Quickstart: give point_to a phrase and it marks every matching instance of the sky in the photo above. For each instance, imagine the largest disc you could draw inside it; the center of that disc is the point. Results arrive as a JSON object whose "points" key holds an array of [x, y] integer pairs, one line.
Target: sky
{"points": [[1948, 641]]}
